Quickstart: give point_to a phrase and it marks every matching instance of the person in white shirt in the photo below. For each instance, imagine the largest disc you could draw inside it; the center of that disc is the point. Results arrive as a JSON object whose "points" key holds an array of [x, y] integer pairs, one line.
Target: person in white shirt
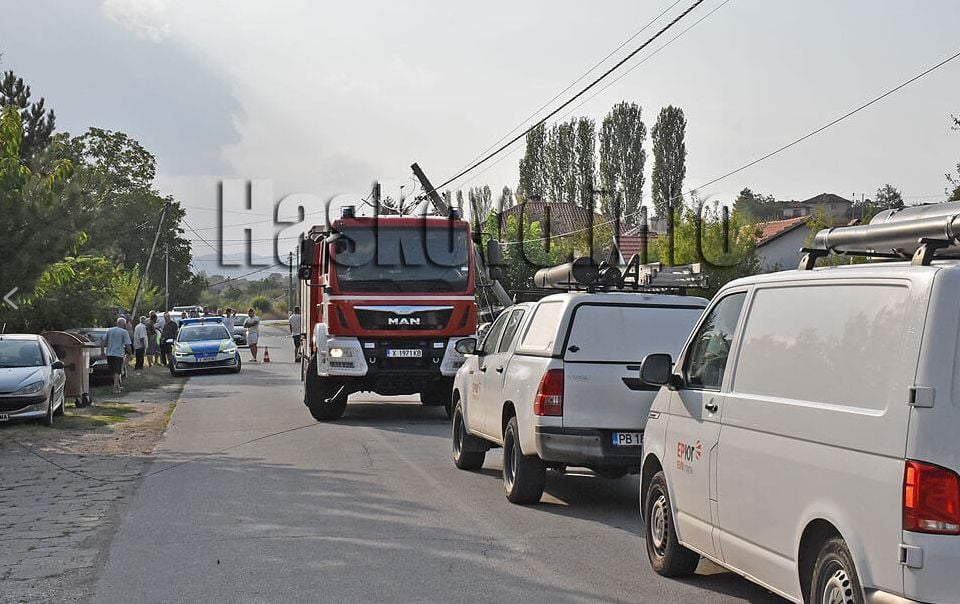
{"points": [[228, 320], [140, 342], [296, 324], [253, 332]]}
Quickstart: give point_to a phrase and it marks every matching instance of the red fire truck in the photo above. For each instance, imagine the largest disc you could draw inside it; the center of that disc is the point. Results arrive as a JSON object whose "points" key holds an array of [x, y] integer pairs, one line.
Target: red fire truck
{"points": [[384, 301]]}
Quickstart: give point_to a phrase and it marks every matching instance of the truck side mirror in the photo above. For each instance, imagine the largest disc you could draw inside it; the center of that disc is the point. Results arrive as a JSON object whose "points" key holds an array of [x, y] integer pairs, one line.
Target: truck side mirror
{"points": [[307, 246], [494, 260], [466, 346], [657, 369]]}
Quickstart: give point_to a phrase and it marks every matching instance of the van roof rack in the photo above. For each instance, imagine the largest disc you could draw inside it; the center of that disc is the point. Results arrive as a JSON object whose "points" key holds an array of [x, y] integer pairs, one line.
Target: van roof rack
{"points": [[583, 274], [921, 233]]}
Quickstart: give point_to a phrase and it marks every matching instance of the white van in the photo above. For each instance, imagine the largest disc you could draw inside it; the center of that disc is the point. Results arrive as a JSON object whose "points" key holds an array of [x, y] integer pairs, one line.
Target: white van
{"points": [[555, 383], [808, 435]]}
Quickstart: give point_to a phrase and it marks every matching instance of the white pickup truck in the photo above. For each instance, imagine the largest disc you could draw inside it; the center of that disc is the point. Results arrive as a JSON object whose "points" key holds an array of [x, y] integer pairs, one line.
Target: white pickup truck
{"points": [[556, 384]]}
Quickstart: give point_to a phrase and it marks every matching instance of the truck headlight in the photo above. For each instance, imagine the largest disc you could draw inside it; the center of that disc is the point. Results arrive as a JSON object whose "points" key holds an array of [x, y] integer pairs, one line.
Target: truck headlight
{"points": [[336, 352]]}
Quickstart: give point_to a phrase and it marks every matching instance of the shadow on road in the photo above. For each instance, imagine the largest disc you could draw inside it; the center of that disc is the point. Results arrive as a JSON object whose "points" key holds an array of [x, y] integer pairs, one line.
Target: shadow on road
{"points": [[306, 532]]}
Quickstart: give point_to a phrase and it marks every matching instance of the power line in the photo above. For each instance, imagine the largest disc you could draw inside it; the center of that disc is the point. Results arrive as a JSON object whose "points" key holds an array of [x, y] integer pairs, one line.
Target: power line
{"points": [[573, 83], [614, 81], [569, 101]]}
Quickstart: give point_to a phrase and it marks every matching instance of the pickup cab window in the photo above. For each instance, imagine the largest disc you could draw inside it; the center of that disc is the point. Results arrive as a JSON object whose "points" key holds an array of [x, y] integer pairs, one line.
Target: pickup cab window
{"points": [[513, 323], [710, 347], [489, 343]]}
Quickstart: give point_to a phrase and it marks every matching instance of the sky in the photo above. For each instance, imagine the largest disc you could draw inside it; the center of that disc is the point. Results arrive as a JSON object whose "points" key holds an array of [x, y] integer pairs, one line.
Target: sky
{"points": [[326, 97]]}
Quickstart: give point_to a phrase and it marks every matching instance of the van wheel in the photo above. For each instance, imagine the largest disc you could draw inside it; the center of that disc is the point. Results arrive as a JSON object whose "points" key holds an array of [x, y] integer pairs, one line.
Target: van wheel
{"points": [[835, 576], [465, 455], [523, 475], [667, 556], [316, 390]]}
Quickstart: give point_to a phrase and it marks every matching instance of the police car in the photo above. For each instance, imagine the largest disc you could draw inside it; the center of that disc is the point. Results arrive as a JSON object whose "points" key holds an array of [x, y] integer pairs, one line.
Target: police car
{"points": [[203, 343]]}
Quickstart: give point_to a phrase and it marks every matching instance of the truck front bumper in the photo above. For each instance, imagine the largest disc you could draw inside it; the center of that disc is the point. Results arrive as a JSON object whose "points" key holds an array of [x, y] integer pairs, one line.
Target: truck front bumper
{"points": [[584, 447]]}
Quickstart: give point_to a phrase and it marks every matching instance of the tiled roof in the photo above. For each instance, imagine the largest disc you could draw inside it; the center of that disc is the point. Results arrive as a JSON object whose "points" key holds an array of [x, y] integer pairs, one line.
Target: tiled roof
{"points": [[631, 239], [768, 231]]}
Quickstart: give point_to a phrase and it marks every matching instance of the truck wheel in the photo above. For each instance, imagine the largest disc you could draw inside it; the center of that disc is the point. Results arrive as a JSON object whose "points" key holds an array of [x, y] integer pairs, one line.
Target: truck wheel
{"points": [[835, 576], [465, 445], [523, 475], [316, 390], [667, 556]]}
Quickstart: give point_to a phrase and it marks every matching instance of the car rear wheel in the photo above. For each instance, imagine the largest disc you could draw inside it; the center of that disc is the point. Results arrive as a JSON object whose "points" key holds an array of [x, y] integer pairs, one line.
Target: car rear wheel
{"points": [[835, 578], [523, 475], [467, 449], [667, 556]]}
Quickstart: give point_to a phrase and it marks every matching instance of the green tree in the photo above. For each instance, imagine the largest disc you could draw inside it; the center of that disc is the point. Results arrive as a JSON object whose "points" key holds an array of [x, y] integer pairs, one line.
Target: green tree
{"points": [[262, 304], [756, 206], [124, 286], [37, 228], [482, 197], [739, 260], [561, 162], [586, 163], [74, 292], [888, 197], [533, 166], [622, 159], [38, 121], [669, 159]]}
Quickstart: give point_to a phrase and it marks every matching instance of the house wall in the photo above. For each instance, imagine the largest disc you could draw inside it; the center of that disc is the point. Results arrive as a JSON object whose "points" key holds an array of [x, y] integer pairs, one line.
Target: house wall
{"points": [[783, 252]]}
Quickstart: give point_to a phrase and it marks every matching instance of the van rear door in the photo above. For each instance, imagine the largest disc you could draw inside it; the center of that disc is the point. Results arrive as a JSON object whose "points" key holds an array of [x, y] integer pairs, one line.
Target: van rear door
{"points": [[602, 354]]}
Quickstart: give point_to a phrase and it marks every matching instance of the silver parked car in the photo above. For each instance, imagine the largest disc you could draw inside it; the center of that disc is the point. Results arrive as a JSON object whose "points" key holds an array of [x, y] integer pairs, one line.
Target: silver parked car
{"points": [[31, 379]]}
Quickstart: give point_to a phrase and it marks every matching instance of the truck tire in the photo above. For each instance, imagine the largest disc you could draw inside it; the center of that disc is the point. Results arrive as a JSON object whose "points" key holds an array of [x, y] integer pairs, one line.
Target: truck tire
{"points": [[667, 556], [835, 576], [524, 476], [316, 390], [468, 453]]}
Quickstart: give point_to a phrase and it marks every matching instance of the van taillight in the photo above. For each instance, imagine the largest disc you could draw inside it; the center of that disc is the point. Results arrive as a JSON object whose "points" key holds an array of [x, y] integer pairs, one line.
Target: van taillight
{"points": [[549, 400], [931, 499]]}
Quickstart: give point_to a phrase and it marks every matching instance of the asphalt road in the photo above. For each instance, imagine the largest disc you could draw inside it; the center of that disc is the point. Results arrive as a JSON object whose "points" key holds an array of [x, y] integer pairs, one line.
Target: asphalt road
{"points": [[251, 500]]}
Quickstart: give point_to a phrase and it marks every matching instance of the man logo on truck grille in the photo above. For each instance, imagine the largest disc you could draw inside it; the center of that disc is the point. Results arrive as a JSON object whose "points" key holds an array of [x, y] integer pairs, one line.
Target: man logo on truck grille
{"points": [[403, 321]]}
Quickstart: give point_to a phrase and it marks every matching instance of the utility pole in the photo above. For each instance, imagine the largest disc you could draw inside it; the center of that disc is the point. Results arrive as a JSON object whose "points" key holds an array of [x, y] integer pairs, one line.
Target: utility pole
{"points": [[143, 274], [166, 279], [290, 282]]}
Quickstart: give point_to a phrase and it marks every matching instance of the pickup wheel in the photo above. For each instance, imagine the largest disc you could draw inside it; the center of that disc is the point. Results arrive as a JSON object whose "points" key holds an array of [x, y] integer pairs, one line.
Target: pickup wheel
{"points": [[467, 449], [835, 576], [523, 475], [316, 391], [667, 556]]}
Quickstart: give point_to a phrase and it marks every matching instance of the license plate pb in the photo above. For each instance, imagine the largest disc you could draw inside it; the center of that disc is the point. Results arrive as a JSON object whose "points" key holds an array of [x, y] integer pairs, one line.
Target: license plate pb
{"points": [[627, 439], [404, 353]]}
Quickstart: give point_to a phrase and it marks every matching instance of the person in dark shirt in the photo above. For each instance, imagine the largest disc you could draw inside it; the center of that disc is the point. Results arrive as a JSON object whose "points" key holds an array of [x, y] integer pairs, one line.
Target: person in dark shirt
{"points": [[168, 332]]}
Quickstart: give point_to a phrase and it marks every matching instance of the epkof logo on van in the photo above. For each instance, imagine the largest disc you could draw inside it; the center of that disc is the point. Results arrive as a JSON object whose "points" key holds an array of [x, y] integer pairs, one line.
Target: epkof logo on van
{"points": [[403, 321], [687, 454]]}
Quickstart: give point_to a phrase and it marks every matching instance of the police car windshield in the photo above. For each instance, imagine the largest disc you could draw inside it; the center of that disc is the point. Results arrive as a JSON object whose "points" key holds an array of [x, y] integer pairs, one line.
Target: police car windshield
{"points": [[196, 333]]}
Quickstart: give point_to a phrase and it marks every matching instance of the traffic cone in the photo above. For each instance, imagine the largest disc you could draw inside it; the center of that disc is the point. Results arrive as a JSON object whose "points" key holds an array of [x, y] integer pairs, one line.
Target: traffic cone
{"points": [[266, 354]]}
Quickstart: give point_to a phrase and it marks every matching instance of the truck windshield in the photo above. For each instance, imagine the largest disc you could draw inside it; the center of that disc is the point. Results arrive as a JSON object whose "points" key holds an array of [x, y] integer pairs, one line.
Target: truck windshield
{"points": [[402, 259]]}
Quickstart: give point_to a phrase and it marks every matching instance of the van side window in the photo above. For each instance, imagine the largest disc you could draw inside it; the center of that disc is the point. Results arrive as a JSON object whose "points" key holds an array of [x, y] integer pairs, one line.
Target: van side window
{"points": [[489, 342], [710, 346], [510, 330]]}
